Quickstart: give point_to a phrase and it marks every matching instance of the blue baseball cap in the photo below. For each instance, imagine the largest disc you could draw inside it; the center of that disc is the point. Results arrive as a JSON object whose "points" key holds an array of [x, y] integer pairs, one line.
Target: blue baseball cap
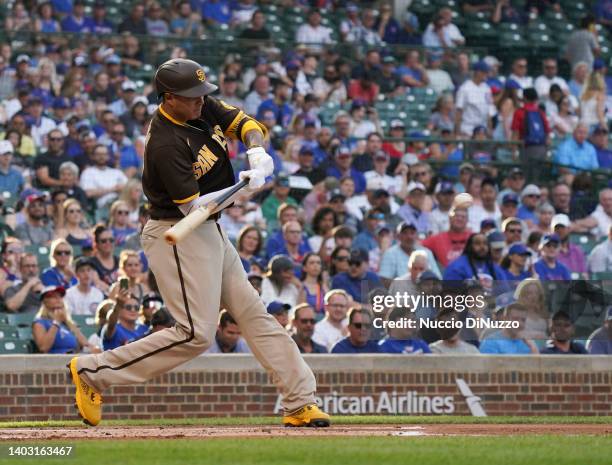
{"points": [[496, 240], [548, 238], [60, 103], [445, 187], [512, 84], [510, 198], [275, 307], [598, 64], [481, 66], [519, 249], [487, 223]]}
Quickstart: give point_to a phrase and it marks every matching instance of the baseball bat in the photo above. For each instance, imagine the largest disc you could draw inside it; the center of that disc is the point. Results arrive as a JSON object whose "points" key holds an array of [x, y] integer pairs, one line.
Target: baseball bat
{"points": [[184, 227]]}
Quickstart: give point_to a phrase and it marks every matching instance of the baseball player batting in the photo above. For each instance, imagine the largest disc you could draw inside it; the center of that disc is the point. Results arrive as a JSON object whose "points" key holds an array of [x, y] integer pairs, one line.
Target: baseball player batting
{"points": [[186, 158]]}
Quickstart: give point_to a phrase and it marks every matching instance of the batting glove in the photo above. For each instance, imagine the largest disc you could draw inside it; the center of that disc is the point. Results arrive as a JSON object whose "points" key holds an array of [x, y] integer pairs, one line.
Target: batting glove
{"points": [[259, 159], [257, 179]]}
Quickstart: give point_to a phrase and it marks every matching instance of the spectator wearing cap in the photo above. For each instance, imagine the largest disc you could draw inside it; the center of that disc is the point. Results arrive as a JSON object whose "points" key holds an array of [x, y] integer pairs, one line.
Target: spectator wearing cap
{"points": [[497, 245], [438, 218], [412, 211], [11, 179], [448, 245], [600, 258], [47, 164], [136, 118], [127, 94], [77, 22], [395, 261], [349, 27], [342, 167], [401, 339], [530, 197], [366, 239], [488, 208], [389, 83], [40, 125], [381, 160], [441, 32], [135, 23], [513, 230], [280, 282], [600, 342], [312, 33], [530, 125], [514, 263], [123, 325], [357, 276], [410, 34], [307, 168], [576, 152], [123, 155], [571, 255], [562, 330], [360, 331], [474, 102], [412, 72], [510, 341], [280, 312], [53, 330], [364, 88], [84, 297], [439, 79], [599, 139], [23, 296], [303, 324], [35, 230], [100, 25], [514, 184], [228, 88], [548, 268], [396, 148], [278, 104], [278, 196]]}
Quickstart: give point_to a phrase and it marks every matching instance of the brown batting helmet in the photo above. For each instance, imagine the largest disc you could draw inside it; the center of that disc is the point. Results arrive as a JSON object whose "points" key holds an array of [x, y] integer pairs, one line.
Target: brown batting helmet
{"points": [[182, 77]]}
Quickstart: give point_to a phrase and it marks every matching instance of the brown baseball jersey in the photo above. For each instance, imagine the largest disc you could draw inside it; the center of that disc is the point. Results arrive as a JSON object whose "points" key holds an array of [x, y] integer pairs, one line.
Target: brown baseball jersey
{"points": [[183, 161]]}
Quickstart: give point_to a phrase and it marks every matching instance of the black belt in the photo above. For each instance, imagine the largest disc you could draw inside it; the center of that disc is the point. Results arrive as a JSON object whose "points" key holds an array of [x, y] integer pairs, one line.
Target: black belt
{"points": [[213, 217]]}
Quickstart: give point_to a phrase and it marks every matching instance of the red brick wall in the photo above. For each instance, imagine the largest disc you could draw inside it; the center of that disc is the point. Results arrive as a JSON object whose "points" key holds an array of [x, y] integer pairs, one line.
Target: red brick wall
{"points": [[198, 393]]}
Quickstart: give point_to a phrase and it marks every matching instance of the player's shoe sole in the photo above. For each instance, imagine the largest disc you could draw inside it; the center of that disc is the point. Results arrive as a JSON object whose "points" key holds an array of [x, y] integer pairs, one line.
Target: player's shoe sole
{"points": [[88, 400], [309, 415]]}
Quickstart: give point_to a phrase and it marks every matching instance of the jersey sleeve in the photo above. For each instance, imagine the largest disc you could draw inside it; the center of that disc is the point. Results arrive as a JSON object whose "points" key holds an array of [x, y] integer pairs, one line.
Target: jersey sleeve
{"points": [[232, 120], [175, 170]]}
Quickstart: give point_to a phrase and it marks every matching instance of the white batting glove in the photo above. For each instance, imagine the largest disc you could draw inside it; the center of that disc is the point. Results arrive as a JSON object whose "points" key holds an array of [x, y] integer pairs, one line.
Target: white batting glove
{"points": [[259, 159], [257, 179]]}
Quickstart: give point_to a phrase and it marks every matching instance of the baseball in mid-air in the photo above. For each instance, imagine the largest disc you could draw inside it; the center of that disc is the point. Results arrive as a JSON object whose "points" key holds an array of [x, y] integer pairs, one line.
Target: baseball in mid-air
{"points": [[463, 200]]}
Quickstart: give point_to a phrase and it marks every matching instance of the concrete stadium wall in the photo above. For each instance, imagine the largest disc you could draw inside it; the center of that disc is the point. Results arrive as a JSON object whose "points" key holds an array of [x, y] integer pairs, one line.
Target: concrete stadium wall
{"points": [[36, 387]]}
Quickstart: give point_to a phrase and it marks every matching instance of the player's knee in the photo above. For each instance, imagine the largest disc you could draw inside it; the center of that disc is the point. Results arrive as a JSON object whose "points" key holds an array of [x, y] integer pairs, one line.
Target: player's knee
{"points": [[203, 338]]}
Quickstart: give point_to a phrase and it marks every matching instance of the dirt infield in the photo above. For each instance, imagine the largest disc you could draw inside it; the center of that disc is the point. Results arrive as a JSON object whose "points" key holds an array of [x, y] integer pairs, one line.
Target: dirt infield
{"points": [[209, 432]]}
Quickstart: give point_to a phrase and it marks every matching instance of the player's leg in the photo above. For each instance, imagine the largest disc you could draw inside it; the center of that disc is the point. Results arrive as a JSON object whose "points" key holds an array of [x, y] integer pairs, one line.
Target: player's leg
{"points": [[270, 343], [189, 282]]}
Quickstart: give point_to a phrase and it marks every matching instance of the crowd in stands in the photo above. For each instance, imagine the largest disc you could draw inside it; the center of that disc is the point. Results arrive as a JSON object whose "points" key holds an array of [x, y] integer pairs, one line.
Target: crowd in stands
{"points": [[371, 150]]}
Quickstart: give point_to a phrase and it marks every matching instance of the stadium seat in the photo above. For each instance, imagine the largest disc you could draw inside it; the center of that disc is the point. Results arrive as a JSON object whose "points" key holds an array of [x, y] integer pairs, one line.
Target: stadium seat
{"points": [[24, 333], [8, 332], [84, 320], [14, 346], [20, 319]]}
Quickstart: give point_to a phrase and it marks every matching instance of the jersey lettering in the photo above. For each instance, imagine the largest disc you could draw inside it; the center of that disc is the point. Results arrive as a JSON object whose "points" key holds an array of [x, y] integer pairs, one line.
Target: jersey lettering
{"points": [[205, 162], [219, 137]]}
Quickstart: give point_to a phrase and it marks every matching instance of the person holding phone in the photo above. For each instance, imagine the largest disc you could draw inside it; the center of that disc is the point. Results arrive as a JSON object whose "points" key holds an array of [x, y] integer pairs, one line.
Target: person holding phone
{"points": [[123, 325]]}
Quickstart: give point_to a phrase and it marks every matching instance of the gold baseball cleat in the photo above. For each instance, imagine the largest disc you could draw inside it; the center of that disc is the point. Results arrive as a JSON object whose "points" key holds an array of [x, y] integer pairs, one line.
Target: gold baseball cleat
{"points": [[309, 415], [88, 400]]}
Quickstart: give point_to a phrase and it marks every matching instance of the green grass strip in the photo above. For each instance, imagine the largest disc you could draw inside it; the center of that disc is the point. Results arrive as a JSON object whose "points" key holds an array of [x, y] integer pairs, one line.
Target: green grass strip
{"points": [[515, 450], [337, 420]]}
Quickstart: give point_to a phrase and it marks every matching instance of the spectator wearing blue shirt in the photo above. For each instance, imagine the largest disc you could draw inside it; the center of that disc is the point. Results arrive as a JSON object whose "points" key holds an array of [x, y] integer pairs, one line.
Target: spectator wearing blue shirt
{"points": [[599, 139], [216, 11], [123, 326], [11, 179], [600, 342], [402, 340], [513, 264], [413, 72], [412, 211], [366, 239], [100, 24], [342, 167], [562, 330], [77, 21], [52, 329], [358, 340], [278, 104], [129, 162], [509, 341], [576, 152], [357, 277], [476, 263], [548, 268], [530, 197], [60, 273]]}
